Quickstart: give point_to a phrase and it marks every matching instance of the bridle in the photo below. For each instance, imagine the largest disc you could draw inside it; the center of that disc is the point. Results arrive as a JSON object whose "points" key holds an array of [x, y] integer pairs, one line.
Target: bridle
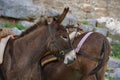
{"points": [[61, 52]]}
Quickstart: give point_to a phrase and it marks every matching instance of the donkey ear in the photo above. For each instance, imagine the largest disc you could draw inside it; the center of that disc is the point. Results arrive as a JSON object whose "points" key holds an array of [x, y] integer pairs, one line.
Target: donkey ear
{"points": [[48, 20], [62, 16]]}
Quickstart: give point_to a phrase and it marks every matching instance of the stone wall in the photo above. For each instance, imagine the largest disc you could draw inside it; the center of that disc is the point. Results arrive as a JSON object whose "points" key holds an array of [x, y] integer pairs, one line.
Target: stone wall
{"points": [[19, 9], [97, 8], [82, 9]]}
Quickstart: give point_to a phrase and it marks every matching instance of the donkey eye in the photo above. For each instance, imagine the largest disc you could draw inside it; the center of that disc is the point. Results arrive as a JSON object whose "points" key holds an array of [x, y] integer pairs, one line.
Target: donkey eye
{"points": [[64, 37], [57, 29]]}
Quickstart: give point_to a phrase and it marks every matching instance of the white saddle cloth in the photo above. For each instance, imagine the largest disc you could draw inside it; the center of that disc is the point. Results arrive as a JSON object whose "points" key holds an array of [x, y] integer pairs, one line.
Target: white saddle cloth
{"points": [[3, 43]]}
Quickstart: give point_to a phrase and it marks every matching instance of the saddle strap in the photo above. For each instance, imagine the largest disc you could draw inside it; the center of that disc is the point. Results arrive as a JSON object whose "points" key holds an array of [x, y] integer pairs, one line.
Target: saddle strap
{"points": [[82, 41]]}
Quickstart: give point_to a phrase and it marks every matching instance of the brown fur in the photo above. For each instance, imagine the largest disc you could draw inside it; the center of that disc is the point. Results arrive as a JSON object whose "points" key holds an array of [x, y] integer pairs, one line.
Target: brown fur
{"points": [[22, 55], [82, 66]]}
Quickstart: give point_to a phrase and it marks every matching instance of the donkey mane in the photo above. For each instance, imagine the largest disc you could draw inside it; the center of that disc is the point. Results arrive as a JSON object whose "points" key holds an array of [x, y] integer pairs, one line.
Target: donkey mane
{"points": [[33, 27]]}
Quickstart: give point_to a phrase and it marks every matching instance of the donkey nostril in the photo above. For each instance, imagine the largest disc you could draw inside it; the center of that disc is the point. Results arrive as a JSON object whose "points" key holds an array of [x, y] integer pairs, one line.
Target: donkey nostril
{"points": [[74, 58], [64, 37], [0, 29], [70, 61]]}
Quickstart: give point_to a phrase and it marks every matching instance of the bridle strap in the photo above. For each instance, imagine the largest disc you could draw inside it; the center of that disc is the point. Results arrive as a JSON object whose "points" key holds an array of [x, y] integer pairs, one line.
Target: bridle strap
{"points": [[60, 51], [51, 35], [89, 56], [82, 41]]}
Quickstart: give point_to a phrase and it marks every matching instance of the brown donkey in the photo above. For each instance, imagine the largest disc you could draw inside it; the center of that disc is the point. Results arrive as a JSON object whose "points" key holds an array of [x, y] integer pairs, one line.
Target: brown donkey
{"points": [[90, 63], [22, 54]]}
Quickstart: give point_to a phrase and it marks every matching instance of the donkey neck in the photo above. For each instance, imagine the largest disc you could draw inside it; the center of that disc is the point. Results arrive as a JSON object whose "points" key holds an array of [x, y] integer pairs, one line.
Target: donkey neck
{"points": [[32, 43]]}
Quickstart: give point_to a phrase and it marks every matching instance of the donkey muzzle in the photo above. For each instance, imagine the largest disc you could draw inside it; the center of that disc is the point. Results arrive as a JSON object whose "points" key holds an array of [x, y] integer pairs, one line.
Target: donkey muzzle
{"points": [[70, 57]]}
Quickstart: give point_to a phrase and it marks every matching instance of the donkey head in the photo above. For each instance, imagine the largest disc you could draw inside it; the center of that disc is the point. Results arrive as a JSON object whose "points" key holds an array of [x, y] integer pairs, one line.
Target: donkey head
{"points": [[59, 38]]}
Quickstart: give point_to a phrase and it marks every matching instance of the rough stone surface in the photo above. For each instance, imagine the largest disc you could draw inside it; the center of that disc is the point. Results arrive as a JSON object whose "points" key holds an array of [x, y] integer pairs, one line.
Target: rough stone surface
{"points": [[102, 31], [26, 23], [92, 22], [112, 25], [51, 12], [20, 9], [16, 31], [97, 8], [113, 63], [70, 19], [114, 68], [87, 27]]}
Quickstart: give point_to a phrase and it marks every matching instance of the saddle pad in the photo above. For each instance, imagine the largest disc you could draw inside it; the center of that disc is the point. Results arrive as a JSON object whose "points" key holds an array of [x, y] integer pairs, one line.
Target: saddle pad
{"points": [[3, 43], [47, 59]]}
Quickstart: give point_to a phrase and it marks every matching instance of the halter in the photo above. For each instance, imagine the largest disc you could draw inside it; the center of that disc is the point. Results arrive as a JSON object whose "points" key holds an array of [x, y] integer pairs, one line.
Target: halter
{"points": [[61, 52], [53, 41]]}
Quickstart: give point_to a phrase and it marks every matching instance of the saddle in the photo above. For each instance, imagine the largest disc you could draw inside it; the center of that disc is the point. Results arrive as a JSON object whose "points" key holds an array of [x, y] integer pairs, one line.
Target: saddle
{"points": [[5, 34]]}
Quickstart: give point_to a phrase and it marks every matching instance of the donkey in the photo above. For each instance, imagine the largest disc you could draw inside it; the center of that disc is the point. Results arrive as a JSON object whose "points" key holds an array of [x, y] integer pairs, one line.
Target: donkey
{"points": [[90, 62], [23, 53]]}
